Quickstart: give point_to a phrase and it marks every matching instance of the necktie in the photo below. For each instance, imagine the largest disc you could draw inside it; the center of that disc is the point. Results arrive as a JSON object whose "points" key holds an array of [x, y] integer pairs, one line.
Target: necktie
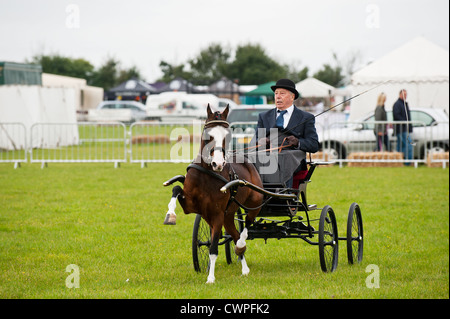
{"points": [[280, 119]]}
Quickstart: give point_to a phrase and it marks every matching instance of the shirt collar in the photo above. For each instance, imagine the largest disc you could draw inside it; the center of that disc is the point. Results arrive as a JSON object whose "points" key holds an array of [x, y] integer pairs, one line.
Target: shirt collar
{"points": [[290, 109]]}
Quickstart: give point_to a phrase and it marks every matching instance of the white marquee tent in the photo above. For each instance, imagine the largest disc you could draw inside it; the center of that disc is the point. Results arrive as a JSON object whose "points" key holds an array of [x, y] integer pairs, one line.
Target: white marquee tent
{"points": [[25, 105], [311, 87], [419, 66]]}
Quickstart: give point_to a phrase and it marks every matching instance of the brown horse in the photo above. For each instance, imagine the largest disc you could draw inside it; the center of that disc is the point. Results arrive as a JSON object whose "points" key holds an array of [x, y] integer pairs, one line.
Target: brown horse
{"points": [[201, 193]]}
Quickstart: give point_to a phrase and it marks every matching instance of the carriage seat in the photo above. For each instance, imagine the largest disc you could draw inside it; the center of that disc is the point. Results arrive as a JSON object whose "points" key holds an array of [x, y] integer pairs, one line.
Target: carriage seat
{"points": [[298, 178]]}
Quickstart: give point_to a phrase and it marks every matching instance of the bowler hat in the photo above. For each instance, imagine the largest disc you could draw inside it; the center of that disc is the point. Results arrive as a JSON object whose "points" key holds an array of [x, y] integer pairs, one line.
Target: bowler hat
{"points": [[286, 84]]}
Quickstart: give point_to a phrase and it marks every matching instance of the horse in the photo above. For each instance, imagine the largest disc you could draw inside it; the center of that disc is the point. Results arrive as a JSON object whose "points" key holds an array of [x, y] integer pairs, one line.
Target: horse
{"points": [[201, 189]]}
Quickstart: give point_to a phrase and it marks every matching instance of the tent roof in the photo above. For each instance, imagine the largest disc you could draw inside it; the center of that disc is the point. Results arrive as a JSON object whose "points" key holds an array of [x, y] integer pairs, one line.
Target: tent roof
{"points": [[133, 85], [224, 85], [263, 89], [419, 60], [178, 85], [311, 87]]}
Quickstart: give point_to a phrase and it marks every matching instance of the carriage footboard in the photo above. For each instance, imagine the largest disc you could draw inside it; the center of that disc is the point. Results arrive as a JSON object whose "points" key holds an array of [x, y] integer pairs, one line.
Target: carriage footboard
{"points": [[244, 183]]}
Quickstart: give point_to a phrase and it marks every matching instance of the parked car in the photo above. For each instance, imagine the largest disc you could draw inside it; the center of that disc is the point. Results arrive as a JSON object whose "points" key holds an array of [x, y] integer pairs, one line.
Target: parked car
{"points": [[430, 132], [180, 106], [118, 111], [243, 120], [223, 102]]}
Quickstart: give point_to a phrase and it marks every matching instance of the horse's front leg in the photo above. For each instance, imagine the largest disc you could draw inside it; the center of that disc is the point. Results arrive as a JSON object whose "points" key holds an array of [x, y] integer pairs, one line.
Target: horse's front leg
{"points": [[171, 217], [213, 252]]}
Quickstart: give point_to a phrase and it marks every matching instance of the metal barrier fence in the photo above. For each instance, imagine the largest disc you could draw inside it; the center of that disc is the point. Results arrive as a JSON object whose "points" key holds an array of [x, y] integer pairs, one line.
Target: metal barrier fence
{"points": [[81, 142], [13, 143], [356, 142], [150, 142], [154, 142]]}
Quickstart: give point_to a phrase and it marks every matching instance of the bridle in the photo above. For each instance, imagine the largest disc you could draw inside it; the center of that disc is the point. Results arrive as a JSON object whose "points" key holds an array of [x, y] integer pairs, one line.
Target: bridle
{"points": [[208, 125]]}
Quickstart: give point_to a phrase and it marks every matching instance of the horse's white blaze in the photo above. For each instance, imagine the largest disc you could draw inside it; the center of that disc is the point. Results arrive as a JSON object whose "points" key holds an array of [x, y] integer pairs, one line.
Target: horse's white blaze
{"points": [[218, 133], [212, 265]]}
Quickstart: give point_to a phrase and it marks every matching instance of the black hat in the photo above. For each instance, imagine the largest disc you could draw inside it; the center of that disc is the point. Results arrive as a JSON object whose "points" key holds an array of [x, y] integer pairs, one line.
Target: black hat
{"points": [[286, 84]]}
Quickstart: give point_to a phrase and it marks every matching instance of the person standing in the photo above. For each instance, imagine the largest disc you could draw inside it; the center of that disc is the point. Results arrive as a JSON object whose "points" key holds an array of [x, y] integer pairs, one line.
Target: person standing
{"points": [[401, 113], [380, 129]]}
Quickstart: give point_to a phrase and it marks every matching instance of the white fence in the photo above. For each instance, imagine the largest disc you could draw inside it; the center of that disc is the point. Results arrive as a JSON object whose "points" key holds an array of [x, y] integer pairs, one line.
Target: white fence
{"points": [[356, 142], [13, 143], [150, 142], [154, 142], [87, 143]]}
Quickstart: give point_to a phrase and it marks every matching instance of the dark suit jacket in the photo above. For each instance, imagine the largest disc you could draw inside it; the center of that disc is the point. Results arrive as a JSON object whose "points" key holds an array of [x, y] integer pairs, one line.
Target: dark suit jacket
{"points": [[301, 125], [400, 115]]}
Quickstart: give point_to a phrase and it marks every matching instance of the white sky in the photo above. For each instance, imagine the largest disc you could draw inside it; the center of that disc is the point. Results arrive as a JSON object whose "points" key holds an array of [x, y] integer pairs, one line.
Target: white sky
{"points": [[144, 32]]}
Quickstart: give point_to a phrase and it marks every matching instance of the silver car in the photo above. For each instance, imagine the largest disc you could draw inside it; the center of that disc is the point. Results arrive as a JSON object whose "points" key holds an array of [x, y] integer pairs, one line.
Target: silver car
{"points": [[430, 133], [122, 111], [243, 120]]}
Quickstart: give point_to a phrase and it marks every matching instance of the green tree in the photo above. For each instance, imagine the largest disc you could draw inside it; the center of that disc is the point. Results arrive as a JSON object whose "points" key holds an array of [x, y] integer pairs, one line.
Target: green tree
{"points": [[331, 75], [296, 73], [126, 74], [110, 74], [106, 75], [57, 64], [253, 66], [170, 72], [210, 65]]}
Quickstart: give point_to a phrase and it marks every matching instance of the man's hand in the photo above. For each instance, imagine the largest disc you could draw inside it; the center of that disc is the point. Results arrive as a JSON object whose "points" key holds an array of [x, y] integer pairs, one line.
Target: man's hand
{"points": [[264, 142], [292, 141]]}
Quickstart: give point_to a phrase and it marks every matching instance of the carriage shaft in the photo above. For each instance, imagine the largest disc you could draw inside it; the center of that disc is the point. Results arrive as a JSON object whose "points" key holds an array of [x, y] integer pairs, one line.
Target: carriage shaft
{"points": [[242, 183]]}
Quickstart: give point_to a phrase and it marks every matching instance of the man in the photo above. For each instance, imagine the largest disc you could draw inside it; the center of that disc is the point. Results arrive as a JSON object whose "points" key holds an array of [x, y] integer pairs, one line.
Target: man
{"points": [[296, 127], [401, 112]]}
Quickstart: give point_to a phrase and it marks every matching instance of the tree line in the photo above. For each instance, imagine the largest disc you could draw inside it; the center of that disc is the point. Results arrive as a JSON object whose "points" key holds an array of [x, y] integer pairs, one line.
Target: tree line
{"points": [[249, 64]]}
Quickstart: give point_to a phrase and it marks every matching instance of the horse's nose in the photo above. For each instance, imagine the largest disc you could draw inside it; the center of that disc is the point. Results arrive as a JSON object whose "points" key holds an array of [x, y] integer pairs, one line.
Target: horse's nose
{"points": [[217, 167]]}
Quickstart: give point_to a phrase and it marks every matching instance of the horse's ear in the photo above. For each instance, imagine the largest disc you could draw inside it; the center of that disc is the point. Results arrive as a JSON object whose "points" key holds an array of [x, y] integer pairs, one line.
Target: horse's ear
{"points": [[208, 109], [225, 112]]}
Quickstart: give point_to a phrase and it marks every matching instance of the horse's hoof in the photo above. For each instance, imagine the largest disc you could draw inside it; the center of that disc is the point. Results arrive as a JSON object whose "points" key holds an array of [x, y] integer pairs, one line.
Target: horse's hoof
{"points": [[240, 250], [170, 219], [211, 280]]}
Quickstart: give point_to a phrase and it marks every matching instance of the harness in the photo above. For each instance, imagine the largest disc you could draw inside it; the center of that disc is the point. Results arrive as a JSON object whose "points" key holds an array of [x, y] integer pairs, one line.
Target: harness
{"points": [[233, 190], [232, 173]]}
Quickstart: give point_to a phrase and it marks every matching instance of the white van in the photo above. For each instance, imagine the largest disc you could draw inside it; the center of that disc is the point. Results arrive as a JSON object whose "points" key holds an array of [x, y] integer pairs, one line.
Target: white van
{"points": [[179, 106]]}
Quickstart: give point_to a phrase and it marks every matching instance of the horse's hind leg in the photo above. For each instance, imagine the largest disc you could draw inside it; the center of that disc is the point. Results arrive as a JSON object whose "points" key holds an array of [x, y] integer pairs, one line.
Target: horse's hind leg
{"points": [[230, 227], [241, 245], [240, 248], [171, 217]]}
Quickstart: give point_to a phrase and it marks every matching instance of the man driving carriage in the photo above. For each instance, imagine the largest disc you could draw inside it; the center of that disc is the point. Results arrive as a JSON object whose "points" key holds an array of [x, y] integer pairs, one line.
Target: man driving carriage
{"points": [[296, 128]]}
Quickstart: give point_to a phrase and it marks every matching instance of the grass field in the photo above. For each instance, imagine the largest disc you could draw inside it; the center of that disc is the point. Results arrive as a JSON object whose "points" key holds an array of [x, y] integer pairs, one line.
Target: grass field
{"points": [[108, 222]]}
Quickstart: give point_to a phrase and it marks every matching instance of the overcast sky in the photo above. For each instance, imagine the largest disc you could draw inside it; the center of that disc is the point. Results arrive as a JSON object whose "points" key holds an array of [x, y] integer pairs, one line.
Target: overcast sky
{"points": [[144, 32]]}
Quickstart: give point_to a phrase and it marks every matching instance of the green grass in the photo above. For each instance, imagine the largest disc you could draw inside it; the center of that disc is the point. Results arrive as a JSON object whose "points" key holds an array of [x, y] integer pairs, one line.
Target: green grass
{"points": [[109, 223]]}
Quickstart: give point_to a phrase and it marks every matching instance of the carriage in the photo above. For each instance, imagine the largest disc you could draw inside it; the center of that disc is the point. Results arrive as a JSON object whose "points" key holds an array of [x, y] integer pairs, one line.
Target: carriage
{"points": [[252, 203], [287, 214]]}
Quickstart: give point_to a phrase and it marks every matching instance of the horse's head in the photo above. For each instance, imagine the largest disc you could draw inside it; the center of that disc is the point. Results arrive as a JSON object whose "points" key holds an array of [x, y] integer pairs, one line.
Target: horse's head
{"points": [[216, 136]]}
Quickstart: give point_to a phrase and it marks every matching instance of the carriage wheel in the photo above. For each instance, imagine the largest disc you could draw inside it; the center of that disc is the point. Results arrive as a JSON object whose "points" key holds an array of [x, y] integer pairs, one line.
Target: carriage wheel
{"points": [[355, 239], [201, 241], [328, 240], [229, 246]]}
